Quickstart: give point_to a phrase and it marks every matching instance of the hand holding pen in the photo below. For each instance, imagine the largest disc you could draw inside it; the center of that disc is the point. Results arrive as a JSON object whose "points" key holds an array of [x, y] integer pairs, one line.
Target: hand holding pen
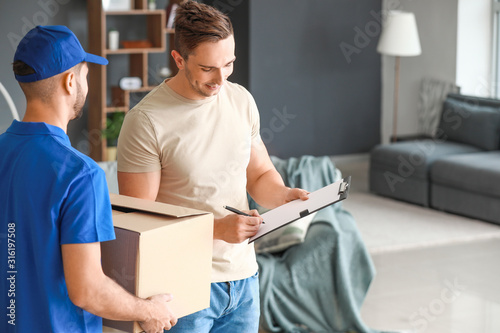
{"points": [[238, 227], [239, 212]]}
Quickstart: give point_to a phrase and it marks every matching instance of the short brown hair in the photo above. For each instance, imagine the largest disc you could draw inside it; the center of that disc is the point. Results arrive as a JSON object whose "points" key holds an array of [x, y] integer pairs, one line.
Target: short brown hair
{"points": [[196, 23]]}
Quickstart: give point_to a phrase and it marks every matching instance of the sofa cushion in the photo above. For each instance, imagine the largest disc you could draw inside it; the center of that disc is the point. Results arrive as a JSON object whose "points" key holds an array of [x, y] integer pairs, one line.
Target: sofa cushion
{"points": [[470, 120], [473, 205], [412, 158], [401, 170], [386, 183], [477, 173]]}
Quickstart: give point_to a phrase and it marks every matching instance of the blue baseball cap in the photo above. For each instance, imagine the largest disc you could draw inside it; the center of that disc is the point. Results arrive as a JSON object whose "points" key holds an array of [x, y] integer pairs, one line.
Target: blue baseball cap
{"points": [[51, 50]]}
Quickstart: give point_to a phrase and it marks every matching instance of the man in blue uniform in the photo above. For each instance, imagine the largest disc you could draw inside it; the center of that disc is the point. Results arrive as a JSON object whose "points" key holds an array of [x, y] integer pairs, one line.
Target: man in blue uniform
{"points": [[55, 207]]}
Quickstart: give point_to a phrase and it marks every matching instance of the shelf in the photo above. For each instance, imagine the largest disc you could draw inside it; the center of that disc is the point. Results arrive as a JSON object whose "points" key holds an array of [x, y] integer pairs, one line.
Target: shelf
{"points": [[135, 50], [101, 104], [121, 98], [141, 89], [135, 12], [112, 109]]}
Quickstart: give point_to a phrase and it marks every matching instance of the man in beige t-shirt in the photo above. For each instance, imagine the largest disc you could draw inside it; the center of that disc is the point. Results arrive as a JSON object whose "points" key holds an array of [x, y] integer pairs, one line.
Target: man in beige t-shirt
{"points": [[194, 141]]}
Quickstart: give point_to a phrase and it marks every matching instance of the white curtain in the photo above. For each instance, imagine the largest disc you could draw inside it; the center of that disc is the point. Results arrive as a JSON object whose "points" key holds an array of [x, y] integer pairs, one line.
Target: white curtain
{"points": [[432, 94]]}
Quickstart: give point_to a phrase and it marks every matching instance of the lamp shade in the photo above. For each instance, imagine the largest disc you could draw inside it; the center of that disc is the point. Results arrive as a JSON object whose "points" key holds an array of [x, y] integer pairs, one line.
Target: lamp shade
{"points": [[399, 35]]}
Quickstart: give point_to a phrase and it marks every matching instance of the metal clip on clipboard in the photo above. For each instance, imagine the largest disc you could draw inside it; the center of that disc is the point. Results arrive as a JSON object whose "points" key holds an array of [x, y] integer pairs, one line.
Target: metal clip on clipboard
{"points": [[344, 188], [294, 210], [343, 191]]}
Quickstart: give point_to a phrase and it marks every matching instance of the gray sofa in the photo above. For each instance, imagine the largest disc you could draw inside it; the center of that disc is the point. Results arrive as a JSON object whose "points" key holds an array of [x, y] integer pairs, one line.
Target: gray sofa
{"points": [[457, 170]]}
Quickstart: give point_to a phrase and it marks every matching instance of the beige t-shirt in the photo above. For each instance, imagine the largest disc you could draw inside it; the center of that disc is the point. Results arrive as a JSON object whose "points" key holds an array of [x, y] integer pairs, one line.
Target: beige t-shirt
{"points": [[202, 148]]}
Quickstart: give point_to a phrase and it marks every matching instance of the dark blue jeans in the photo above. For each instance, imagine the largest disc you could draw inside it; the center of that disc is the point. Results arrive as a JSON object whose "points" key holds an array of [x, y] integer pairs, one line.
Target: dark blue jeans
{"points": [[234, 307]]}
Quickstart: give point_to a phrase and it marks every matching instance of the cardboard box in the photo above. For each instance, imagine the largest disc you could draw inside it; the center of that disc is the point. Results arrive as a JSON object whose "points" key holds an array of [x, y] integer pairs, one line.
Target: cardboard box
{"points": [[160, 248]]}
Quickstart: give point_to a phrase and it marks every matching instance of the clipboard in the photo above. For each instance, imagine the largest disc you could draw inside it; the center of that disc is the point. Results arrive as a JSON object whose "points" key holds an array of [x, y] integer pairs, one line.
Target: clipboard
{"points": [[294, 210]]}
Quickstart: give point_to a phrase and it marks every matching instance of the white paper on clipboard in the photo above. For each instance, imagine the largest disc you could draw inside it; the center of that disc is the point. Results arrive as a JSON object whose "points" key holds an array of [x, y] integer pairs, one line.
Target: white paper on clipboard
{"points": [[297, 209]]}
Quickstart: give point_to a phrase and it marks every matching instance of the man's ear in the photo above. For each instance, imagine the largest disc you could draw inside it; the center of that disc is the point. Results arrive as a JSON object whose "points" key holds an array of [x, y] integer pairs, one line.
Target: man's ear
{"points": [[179, 60], [69, 82]]}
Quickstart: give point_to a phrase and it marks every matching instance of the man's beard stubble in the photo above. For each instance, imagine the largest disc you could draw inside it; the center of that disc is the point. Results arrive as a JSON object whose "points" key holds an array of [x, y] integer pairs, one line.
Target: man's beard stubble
{"points": [[79, 103]]}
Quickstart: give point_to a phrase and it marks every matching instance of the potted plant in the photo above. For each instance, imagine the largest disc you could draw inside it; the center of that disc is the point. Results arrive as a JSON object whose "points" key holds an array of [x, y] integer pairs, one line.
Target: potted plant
{"points": [[114, 123]]}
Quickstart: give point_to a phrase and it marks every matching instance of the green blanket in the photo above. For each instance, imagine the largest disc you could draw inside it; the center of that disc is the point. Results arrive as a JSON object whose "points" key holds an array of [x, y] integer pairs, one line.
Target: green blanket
{"points": [[319, 285]]}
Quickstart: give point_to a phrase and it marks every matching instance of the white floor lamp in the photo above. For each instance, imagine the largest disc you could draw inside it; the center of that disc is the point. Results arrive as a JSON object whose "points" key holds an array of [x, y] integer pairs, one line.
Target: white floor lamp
{"points": [[399, 38]]}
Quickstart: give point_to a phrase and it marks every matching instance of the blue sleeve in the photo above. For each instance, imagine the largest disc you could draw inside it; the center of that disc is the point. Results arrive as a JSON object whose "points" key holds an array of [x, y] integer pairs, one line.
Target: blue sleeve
{"points": [[86, 212]]}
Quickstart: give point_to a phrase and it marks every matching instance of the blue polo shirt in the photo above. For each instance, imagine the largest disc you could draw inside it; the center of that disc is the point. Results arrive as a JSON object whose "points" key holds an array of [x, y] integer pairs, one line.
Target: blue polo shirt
{"points": [[50, 194]]}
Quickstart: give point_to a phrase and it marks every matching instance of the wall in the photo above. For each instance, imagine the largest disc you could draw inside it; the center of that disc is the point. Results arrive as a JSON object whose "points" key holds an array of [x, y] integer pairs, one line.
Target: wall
{"points": [[315, 97], [437, 26], [315, 75], [238, 12], [17, 18]]}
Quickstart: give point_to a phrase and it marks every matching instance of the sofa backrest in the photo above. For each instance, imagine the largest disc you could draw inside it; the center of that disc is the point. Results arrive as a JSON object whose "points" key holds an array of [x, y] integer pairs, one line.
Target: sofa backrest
{"points": [[471, 120]]}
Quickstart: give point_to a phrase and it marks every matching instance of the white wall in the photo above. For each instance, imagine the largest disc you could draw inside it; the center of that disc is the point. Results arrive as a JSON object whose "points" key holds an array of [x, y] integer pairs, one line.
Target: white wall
{"points": [[474, 47], [437, 26]]}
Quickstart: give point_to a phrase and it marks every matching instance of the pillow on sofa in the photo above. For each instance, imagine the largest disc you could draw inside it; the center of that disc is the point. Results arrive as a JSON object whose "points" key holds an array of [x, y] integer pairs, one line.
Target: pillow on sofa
{"points": [[308, 172], [470, 121], [283, 238]]}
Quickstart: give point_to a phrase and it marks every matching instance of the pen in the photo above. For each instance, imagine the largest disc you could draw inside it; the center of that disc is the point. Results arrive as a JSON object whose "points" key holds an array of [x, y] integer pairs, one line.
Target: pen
{"points": [[239, 212]]}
